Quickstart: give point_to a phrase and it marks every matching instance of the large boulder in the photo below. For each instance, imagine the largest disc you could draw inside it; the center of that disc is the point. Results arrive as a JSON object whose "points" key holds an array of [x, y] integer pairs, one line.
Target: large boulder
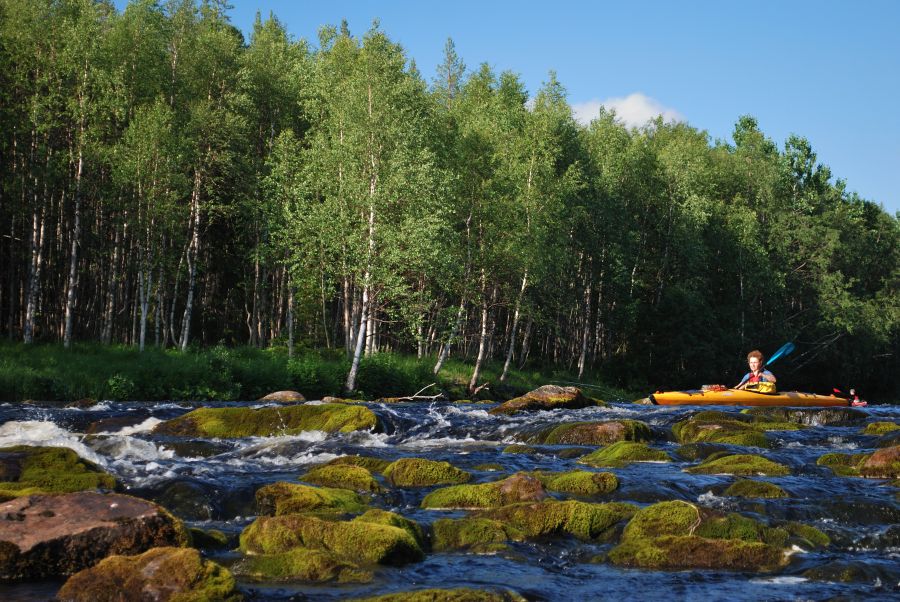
{"points": [[419, 472], [809, 416], [624, 453], [157, 575], [881, 464], [284, 397], [548, 397], [712, 426], [281, 498], [594, 433], [343, 476], [28, 470], [680, 535], [740, 464], [266, 422], [53, 535], [590, 522], [519, 487], [578, 482]]}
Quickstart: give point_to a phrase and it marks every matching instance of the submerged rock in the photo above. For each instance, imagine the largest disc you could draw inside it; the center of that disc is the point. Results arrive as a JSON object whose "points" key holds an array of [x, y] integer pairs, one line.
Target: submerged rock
{"points": [[680, 535], [740, 464], [809, 416], [755, 489], [594, 433], [369, 463], [517, 448], [547, 397], [160, 574], [624, 453], [302, 564], [52, 535], [266, 422], [854, 571], [343, 476], [473, 534], [419, 472], [284, 397], [462, 594], [282, 498], [356, 540], [700, 451], [718, 427], [517, 488], [205, 539], [26, 470]]}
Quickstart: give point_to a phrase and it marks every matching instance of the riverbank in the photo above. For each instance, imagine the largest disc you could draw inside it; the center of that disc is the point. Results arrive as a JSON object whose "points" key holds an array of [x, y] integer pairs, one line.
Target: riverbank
{"points": [[122, 373]]}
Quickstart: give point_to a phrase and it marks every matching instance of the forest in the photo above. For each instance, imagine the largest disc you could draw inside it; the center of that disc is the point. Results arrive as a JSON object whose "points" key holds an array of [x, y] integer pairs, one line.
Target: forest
{"points": [[166, 182]]}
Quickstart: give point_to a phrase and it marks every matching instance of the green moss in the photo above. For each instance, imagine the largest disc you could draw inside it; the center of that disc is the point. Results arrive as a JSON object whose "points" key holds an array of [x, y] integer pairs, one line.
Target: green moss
{"points": [[517, 448], [691, 551], [581, 519], [595, 433], [180, 574], [361, 541], [265, 422], [369, 463], [719, 427], [302, 564], [478, 535], [740, 464], [699, 451], [35, 470], [383, 517], [843, 465], [814, 537], [289, 498], [663, 518], [516, 488], [418, 472], [731, 526], [206, 539], [343, 476], [578, 482], [624, 453], [880, 428], [462, 594], [755, 489]]}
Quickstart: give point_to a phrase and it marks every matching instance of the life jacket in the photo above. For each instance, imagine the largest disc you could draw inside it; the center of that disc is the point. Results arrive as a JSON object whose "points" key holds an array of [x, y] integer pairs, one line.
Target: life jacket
{"points": [[761, 386]]}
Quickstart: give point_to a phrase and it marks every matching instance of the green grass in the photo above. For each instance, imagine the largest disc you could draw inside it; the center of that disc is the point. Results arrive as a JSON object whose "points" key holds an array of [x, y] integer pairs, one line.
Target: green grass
{"points": [[88, 370]]}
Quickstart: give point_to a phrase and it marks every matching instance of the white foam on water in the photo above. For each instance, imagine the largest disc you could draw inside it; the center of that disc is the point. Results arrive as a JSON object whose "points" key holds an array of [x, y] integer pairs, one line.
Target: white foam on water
{"points": [[712, 500], [144, 427], [121, 448], [441, 442], [46, 434], [780, 580], [365, 439], [840, 443]]}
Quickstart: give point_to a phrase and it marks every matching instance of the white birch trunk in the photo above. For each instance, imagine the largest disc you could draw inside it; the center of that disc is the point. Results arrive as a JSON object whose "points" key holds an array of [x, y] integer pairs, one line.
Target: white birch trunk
{"points": [[515, 324]]}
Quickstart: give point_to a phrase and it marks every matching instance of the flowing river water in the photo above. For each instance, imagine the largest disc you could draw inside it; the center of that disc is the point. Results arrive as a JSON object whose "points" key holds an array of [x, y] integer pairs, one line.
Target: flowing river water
{"points": [[211, 484]]}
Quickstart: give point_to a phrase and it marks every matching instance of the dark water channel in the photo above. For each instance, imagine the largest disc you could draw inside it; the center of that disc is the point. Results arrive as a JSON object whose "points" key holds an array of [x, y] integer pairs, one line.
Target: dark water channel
{"points": [[210, 484]]}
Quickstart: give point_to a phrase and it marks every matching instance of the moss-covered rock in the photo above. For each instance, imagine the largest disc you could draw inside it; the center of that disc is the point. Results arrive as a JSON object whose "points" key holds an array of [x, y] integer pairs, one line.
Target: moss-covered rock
{"points": [[205, 539], [343, 476], [851, 571], [462, 594], [551, 517], [578, 482], [282, 498], [166, 574], [755, 489], [384, 517], [740, 464], [489, 467], [594, 433], [699, 451], [28, 470], [624, 453], [473, 534], [518, 448], [881, 464], [677, 535], [516, 488], [718, 427], [548, 397], [302, 564], [265, 422], [880, 428], [357, 541], [807, 416], [368, 462], [418, 472]]}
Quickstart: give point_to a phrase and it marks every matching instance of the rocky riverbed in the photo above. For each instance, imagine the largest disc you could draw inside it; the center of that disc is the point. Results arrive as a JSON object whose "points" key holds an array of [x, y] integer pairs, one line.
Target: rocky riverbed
{"points": [[553, 497]]}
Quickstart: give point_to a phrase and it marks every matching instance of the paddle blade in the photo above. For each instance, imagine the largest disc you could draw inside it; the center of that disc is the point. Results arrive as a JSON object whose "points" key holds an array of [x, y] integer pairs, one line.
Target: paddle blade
{"points": [[784, 350]]}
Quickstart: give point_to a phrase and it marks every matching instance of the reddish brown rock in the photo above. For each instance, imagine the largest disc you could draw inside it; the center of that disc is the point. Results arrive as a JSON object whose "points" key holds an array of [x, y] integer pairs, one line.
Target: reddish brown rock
{"points": [[521, 488], [548, 397], [884, 463], [158, 575], [284, 397], [52, 535]]}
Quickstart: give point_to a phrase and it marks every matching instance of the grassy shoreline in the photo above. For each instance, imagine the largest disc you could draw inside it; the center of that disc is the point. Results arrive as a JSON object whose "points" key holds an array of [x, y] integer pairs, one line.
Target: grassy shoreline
{"points": [[48, 372]]}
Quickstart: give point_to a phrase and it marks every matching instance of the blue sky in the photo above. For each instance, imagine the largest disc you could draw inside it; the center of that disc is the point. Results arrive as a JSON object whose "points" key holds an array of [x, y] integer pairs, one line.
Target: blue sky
{"points": [[826, 70]]}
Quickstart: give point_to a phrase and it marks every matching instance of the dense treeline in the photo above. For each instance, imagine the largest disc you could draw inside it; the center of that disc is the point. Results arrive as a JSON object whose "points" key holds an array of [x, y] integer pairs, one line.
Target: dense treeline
{"points": [[166, 182]]}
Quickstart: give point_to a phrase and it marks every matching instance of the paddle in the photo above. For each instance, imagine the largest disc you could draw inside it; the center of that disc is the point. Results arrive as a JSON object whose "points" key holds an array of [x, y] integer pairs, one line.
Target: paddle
{"points": [[785, 349]]}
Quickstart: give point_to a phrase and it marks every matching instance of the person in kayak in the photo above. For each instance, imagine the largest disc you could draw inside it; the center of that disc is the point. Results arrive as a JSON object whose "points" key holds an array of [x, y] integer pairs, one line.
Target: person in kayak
{"points": [[757, 374]]}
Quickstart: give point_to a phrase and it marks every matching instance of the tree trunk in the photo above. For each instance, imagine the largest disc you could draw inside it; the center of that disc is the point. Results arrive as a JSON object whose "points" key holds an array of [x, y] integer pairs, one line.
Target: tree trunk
{"points": [[515, 324], [585, 337], [193, 258], [482, 344], [38, 227], [445, 348]]}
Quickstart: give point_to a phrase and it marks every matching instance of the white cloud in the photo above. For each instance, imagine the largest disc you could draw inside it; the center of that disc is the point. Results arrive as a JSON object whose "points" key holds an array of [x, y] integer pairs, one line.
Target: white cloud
{"points": [[634, 110]]}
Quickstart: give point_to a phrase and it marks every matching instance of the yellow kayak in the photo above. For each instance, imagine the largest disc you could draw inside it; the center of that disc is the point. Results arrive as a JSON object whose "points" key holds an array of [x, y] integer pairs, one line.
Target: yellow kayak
{"points": [[742, 397]]}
